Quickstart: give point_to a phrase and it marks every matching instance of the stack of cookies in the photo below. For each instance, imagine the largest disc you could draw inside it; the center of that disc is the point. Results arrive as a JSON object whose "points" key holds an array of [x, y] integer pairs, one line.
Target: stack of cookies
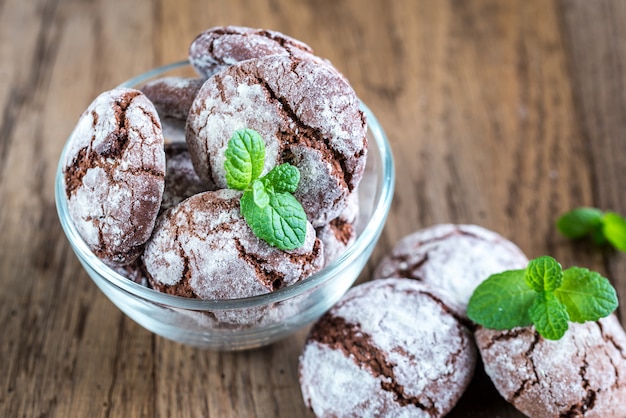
{"points": [[145, 178]]}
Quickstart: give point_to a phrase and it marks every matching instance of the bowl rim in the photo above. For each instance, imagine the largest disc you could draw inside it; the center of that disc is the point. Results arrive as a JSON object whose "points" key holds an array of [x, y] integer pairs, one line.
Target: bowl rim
{"points": [[369, 234]]}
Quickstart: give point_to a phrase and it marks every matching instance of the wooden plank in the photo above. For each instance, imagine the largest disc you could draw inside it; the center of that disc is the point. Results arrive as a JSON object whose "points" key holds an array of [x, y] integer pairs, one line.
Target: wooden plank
{"points": [[595, 35], [67, 351], [503, 114]]}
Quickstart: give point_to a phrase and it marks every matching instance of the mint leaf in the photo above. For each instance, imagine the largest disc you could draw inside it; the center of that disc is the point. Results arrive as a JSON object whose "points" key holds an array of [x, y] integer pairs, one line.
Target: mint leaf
{"points": [[544, 274], [579, 222], [614, 230], [260, 196], [245, 158], [267, 205], [281, 223], [602, 227], [549, 316], [502, 301], [586, 294], [283, 178], [544, 295]]}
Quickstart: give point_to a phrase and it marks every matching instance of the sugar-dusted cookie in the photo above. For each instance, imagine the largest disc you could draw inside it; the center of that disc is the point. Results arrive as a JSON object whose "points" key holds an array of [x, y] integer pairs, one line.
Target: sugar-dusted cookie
{"points": [[172, 96], [452, 259], [181, 180], [220, 47], [134, 271], [387, 348], [307, 114], [114, 174], [203, 248], [341, 232], [581, 375]]}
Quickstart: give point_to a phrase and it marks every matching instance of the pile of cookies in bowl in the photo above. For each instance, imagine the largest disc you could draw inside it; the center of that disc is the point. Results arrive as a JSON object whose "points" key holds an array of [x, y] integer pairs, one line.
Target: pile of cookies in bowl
{"points": [[231, 199], [241, 191]]}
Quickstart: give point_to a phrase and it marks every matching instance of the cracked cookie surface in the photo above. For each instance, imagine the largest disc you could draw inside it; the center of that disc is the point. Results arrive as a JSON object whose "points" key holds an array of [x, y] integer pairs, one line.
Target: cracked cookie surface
{"points": [[452, 259], [307, 115], [581, 375], [341, 232], [203, 248], [181, 180], [114, 174], [386, 349], [222, 46], [172, 96]]}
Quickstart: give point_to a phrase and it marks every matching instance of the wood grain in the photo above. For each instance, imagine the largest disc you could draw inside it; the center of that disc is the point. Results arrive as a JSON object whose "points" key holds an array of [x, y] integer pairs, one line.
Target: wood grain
{"points": [[596, 64], [503, 114]]}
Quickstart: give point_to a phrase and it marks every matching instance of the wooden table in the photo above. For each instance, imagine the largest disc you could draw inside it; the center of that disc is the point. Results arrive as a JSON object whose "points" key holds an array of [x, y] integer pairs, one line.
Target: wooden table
{"points": [[499, 113]]}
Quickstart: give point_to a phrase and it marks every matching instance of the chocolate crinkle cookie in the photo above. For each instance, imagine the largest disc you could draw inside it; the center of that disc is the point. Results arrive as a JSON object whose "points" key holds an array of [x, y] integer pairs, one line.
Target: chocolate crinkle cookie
{"points": [[181, 180], [222, 46], [341, 232], [305, 112], [173, 96], [387, 349], [581, 375], [114, 174], [452, 259], [203, 248], [134, 271]]}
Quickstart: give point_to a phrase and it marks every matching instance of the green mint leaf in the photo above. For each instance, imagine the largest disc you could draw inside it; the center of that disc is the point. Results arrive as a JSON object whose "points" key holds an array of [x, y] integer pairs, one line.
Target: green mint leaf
{"points": [[502, 301], [586, 294], [267, 205], [614, 230], [245, 158], [281, 223], [580, 222], [260, 195], [549, 316], [283, 178], [544, 295], [544, 274], [597, 236]]}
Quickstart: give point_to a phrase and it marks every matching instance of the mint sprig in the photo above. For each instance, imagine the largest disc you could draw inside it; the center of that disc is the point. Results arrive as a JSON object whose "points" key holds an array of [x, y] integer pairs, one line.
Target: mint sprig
{"points": [[245, 158], [601, 226], [543, 294], [587, 295], [267, 203]]}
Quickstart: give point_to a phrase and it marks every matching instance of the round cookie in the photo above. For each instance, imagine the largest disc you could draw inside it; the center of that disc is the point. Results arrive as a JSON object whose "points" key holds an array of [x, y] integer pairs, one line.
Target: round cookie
{"points": [[582, 374], [387, 348], [452, 259], [339, 233], [181, 180], [220, 47], [172, 96], [173, 130], [203, 248], [305, 112], [114, 173], [134, 271]]}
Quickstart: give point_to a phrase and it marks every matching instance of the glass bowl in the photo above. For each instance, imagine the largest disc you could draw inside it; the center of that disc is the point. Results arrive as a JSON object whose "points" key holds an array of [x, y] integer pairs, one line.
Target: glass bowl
{"points": [[269, 317]]}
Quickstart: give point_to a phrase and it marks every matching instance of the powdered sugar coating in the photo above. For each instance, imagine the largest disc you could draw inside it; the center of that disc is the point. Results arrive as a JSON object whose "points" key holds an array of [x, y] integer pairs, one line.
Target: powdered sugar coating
{"points": [[339, 233], [219, 47], [307, 115], [582, 374], [114, 174], [134, 271], [452, 259], [181, 180], [173, 130], [388, 348], [173, 96], [204, 248]]}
